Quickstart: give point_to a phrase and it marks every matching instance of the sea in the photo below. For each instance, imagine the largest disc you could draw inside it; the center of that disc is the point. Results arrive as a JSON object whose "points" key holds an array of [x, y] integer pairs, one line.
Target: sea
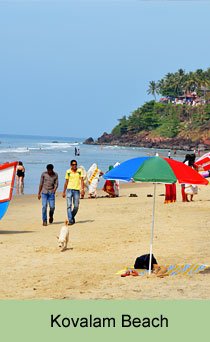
{"points": [[37, 151]]}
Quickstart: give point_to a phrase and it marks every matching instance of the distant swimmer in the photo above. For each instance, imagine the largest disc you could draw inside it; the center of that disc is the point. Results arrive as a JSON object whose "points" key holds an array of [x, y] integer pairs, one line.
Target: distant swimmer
{"points": [[77, 151]]}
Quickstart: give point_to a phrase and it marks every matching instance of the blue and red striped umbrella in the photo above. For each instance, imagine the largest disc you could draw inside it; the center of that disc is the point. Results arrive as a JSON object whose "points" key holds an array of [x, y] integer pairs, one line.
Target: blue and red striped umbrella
{"points": [[155, 170]]}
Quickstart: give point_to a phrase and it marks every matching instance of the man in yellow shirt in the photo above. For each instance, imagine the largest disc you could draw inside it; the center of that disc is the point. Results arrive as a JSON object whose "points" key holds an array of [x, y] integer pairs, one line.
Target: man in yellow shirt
{"points": [[72, 186]]}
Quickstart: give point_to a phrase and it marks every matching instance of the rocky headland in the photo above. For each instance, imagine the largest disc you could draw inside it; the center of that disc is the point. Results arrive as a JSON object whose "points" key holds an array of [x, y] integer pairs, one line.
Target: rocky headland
{"points": [[190, 141]]}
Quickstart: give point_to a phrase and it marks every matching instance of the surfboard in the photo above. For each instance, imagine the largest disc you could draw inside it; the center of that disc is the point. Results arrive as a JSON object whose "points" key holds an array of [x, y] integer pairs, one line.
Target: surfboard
{"points": [[93, 175], [84, 175], [7, 179]]}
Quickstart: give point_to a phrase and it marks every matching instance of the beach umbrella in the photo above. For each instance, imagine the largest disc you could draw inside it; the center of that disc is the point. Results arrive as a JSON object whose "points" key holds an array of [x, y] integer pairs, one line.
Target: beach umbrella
{"points": [[155, 170], [7, 179], [204, 161]]}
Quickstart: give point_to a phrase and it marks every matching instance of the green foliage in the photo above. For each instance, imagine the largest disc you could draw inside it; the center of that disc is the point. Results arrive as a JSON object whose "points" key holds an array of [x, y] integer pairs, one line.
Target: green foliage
{"points": [[163, 119], [116, 131], [121, 128], [169, 121], [207, 112]]}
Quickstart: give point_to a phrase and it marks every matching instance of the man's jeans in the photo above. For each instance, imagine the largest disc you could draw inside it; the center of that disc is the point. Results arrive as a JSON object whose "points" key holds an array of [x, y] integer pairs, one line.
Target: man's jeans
{"points": [[48, 198], [72, 195]]}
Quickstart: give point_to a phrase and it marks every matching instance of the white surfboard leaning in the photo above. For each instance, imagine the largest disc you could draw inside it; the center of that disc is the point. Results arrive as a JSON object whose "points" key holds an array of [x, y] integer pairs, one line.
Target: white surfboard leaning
{"points": [[84, 175], [93, 176]]}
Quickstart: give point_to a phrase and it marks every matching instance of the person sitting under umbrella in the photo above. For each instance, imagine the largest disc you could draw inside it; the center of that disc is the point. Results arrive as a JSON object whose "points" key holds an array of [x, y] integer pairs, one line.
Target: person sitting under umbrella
{"points": [[110, 186]]}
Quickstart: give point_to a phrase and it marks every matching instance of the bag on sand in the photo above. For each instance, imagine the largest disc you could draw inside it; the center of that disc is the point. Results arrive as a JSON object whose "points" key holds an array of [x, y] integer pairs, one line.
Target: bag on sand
{"points": [[142, 262], [195, 189], [191, 190]]}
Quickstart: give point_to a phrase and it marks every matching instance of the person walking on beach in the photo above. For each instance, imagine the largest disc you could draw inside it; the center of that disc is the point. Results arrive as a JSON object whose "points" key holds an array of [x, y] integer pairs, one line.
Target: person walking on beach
{"points": [[187, 189], [47, 189], [72, 186], [20, 174]]}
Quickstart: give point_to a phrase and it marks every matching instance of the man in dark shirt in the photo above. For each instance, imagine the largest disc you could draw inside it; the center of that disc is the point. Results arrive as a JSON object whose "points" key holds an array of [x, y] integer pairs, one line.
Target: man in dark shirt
{"points": [[47, 188]]}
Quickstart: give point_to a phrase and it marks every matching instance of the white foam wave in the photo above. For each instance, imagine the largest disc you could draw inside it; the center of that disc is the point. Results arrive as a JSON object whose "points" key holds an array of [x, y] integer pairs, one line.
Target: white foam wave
{"points": [[15, 150], [57, 146], [112, 147]]}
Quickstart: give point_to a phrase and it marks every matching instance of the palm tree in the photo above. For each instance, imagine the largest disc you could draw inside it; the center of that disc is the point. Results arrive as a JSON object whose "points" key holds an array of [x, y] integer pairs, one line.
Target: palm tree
{"points": [[179, 78], [171, 83], [191, 82], [153, 89], [203, 81]]}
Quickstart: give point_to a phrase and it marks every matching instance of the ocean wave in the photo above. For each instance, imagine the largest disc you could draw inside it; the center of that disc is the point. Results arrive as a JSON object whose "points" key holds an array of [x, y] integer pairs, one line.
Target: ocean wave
{"points": [[15, 150], [112, 147], [60, 147], [56, 145]]}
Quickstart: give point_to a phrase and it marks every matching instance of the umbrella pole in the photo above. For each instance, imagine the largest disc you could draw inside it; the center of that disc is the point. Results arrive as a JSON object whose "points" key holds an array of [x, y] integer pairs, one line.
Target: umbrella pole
{"points": [[152, 230]]}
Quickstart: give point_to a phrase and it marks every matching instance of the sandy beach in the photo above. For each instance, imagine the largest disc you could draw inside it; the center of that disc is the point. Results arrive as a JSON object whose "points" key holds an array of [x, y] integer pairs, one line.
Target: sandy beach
{"points": [[108, 235]]}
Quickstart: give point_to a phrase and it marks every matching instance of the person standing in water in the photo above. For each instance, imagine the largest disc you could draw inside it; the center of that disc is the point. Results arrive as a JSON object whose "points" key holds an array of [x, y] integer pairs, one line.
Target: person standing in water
{"points": [[20, 174]]}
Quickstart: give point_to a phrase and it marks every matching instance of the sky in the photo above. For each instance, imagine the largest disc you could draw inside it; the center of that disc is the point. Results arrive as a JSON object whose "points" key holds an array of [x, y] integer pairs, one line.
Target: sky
{"points": [[73, 68]]}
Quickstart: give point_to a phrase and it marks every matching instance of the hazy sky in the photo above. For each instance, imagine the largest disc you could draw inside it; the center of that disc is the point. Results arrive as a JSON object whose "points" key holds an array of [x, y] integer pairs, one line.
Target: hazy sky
{"points": [[73, 68]]}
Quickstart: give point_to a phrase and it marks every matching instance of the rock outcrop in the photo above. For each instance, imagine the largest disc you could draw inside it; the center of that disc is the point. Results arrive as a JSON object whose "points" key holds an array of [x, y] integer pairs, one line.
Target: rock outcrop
{"points": [[89, 141], [146, 139]]}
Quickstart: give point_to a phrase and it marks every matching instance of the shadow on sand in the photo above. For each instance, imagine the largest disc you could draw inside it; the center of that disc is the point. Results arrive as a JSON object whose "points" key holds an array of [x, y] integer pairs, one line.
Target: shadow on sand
{"points": [[63, 222], [67, 249], [16, 231], [85, 221]]}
